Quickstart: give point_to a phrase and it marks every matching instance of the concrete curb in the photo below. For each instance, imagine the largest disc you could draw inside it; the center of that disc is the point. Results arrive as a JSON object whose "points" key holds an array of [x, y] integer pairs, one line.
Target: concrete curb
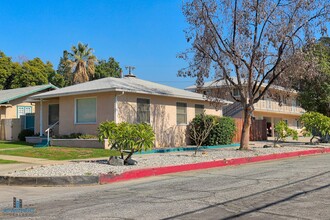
{"points": [[135, 174], [49, 181]]}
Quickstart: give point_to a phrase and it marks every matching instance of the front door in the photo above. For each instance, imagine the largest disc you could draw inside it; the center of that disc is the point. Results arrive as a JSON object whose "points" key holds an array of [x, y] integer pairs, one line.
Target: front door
{"points": [[53, 117]]}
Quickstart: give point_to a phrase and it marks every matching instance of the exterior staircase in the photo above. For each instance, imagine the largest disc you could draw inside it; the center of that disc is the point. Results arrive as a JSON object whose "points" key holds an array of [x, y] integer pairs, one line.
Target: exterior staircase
{"points": [[44, 143], [232, 110]]}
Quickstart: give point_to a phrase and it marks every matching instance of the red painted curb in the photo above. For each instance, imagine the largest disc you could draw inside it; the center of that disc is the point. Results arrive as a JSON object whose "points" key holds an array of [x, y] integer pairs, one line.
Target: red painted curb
{"points": [[135, 174]]}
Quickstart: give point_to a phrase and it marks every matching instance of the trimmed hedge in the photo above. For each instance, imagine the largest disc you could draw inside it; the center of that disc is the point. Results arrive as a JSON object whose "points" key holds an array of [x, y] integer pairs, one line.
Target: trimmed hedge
{"points": [[222, 133], [25, 133]]}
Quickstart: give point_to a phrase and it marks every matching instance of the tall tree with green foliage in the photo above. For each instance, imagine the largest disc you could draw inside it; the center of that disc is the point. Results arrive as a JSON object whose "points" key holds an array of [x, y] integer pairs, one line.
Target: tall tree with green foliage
{"points": [[33, 72], [82, 61], [8, 70], [314, 94], [64, 69], [108, 68], [56, 79]]}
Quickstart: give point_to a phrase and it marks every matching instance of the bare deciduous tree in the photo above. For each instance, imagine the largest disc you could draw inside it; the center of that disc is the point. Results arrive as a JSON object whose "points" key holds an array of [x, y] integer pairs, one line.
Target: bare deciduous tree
{"points": [[249, 44], [199, 130]]}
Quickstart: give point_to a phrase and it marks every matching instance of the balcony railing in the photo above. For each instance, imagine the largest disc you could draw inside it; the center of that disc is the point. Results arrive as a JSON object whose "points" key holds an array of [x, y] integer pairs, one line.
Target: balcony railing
{"points": [[273, 106]]}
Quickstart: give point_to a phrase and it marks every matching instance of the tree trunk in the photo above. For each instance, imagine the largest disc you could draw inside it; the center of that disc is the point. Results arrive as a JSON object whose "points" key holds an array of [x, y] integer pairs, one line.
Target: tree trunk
{"points": [[245, 138]]}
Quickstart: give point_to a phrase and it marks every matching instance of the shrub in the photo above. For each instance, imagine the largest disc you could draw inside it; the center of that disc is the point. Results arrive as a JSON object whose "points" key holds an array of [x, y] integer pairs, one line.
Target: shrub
{"points": [[87, 136], [283, 131], [222, 132], [316, 124], [125, 136], [25, 133], [75, 135]]}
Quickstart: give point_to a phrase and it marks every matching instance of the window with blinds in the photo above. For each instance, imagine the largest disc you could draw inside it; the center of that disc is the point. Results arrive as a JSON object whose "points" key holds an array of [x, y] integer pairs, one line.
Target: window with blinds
{"points": [[85, 111], [143, 110], [199, 109], [181, 113]]}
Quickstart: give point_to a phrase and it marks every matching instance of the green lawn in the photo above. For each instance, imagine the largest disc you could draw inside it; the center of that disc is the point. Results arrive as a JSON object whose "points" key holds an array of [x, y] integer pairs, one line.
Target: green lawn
{"points": [[60, 153], [7, 161], [14, 144]]}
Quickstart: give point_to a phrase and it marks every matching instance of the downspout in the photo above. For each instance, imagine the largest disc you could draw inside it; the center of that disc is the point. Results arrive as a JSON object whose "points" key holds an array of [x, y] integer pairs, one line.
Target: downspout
{"points": [[115, 117], [40, 120]]}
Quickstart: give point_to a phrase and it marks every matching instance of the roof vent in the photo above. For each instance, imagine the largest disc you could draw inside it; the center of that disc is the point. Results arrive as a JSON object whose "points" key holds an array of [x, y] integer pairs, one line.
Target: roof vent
{"points": [[130, 70]]}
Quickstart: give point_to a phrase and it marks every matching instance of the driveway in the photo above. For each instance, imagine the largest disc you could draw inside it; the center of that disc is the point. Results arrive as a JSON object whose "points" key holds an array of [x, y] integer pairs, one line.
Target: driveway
{"points": [[297, 188]]}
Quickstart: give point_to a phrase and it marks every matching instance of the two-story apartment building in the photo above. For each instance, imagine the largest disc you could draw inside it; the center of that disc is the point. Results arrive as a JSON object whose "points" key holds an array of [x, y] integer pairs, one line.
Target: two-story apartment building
{"points": [[267, 108]]}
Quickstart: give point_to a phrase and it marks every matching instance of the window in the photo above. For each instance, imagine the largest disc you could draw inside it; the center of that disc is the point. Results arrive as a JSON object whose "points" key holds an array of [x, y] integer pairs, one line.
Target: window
{"points": [[53, 114], [86, 110], [22, 110], [199, 109], [299, 126], [284, 100], [294, 104], [181, 113], [263, 97], [236, 92], [143, 110]]}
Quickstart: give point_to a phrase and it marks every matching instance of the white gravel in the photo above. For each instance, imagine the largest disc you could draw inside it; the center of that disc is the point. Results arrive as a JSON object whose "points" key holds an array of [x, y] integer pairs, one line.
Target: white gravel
{"points": [[151, 160]]}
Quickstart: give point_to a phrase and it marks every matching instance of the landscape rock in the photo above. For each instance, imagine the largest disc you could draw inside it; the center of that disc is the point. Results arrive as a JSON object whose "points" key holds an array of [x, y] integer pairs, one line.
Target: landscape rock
{"points": [[115, 161], [267, 146], [131, 162]]}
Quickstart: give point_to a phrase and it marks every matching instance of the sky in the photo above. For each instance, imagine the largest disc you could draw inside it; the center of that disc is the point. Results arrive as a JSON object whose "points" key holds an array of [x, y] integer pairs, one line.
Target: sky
{"points": [[147, 34]]}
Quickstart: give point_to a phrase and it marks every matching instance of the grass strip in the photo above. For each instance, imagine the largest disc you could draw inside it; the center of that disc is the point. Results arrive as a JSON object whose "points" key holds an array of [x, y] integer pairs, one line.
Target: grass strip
{"points": [[7, 161], [60, 153]]}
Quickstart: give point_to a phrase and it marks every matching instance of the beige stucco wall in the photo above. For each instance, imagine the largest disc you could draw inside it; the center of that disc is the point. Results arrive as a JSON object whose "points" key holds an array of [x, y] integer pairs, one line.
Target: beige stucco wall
{"points": [[11, 111], [67, 125], [163, 117], [162, 114]]}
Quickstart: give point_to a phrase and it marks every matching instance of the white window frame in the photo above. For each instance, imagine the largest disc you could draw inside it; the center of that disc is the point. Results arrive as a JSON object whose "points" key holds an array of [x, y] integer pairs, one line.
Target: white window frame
{"points": [[26, 109], [75, 110]]}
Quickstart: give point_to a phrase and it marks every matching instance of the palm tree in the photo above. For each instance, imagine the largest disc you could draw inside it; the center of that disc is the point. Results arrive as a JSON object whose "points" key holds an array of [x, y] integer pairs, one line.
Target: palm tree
{"points": [[82, 62]]}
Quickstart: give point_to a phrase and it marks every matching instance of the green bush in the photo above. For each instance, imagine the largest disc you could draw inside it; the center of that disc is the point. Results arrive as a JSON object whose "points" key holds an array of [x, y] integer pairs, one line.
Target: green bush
{"points": [[222, 132], [25, 133], [87, 136], [316, 124], [283, 131], [125, 136]]}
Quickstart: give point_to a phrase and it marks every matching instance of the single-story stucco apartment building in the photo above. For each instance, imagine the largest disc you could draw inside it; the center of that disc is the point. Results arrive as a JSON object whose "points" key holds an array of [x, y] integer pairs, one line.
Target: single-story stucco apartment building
{"points": [[13, 107], [81, 108]]}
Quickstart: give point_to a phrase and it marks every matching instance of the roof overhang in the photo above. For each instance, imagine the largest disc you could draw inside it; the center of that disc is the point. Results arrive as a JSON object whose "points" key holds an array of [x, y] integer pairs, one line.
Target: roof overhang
{"points": [[37, 98]]}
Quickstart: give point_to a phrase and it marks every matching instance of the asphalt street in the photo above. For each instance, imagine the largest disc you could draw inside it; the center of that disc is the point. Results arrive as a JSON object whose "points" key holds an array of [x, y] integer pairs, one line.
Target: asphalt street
{"points": [[297, 188]]}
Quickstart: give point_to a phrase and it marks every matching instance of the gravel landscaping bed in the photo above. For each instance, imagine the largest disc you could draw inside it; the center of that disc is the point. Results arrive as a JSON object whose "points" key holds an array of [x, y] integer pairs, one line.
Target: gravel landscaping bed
{"points": [[153, 160]]}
